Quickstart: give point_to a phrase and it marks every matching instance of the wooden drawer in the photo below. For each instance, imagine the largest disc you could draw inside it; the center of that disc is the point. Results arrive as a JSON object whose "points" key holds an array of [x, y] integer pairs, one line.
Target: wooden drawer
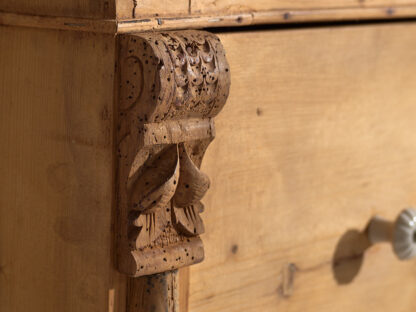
{"points": [[316, 137]]}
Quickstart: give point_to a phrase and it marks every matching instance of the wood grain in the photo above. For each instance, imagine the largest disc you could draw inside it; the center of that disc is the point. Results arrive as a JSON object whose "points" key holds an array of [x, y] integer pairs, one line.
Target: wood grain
{"points": [[61, 23], [216, 19], [183, 289], [240, 6], [128, 9], [56, 118], [134, 9], [102, 9], [318, 135], [154, 293], [146, 8], [282, 16], [165, 292]]}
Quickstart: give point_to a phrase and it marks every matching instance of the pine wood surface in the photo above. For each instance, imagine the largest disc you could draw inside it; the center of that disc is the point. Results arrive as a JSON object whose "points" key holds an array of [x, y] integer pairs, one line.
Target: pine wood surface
{"points": [[68, 8], [317, 137], [131, 16], [128, 9], [56, 101], [210, 6], [268, 17]]}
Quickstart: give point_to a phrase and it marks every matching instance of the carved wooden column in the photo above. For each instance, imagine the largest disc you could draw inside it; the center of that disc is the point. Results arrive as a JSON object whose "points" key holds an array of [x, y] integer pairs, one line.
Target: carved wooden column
{"points": [[171, 85]]}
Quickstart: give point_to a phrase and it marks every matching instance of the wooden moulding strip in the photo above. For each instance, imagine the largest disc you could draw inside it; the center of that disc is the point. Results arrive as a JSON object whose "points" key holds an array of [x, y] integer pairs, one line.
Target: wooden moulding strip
{"points": [[182, 254], [207, 21], [266, 17], [55, 22], [176, 131]]}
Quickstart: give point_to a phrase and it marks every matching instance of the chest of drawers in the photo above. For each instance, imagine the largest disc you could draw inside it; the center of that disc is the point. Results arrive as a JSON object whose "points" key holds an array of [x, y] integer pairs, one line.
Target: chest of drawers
{"points": [[108, 113]]}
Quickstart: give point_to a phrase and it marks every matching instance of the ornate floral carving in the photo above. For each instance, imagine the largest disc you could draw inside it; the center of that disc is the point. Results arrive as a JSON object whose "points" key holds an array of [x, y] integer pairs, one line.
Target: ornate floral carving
{"points": [[171, 85]]}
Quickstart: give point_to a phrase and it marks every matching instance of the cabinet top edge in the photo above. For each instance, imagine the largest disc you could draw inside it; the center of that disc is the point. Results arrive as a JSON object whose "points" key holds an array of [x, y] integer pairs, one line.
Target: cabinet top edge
{"points": [[159, 23]]}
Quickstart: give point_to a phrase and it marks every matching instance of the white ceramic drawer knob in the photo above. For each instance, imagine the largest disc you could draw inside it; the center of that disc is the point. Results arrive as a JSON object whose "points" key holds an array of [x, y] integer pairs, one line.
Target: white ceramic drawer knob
{"points": [[401, 233]]}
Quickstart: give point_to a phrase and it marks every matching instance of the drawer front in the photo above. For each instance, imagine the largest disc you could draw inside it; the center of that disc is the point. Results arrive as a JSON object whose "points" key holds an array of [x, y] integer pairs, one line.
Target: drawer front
{"points": [[317, 137]]}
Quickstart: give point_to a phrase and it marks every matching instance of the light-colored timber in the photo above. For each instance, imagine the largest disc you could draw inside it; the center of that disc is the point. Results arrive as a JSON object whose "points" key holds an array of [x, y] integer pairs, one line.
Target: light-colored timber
{"points": [[131, 9], [266, 17], [93, 9], [60, 23], [160, 23], [56, 160], [318, 136], [138, 9]]}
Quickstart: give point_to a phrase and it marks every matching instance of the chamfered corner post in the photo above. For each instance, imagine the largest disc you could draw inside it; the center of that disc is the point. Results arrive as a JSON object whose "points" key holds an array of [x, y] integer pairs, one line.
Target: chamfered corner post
{"points": [[170, 87]]}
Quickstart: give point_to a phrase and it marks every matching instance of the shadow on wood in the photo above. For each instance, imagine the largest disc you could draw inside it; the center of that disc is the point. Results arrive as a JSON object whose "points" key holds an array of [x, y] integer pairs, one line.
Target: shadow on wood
{"points": [[349, 255]]}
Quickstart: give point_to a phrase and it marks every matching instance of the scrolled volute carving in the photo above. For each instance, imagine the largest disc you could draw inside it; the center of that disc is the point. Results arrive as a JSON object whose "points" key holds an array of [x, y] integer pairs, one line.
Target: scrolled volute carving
{"points": [[171, 85]]}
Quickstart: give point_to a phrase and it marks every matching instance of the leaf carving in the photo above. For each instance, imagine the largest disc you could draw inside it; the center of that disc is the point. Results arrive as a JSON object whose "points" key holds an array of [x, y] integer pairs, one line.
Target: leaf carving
{"points": [[192, 186], [170, 86], [151, 194], [156, 185], [188, 221], [149, 227]]}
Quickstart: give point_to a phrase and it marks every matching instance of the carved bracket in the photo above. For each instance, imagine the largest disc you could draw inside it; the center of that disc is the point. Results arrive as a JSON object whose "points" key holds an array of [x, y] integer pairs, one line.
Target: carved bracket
{"points": [[171, 85]]}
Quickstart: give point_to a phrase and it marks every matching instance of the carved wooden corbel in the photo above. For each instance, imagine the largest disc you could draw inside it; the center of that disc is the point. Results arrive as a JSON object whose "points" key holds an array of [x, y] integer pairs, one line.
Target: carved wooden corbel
{"points": [[171, 86]]}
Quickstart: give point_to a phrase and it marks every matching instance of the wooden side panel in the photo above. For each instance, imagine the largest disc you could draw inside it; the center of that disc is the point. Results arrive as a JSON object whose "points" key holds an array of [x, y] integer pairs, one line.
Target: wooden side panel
{"points": [[56, 91], [96, 9], [317, 136], [237, 6]]}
